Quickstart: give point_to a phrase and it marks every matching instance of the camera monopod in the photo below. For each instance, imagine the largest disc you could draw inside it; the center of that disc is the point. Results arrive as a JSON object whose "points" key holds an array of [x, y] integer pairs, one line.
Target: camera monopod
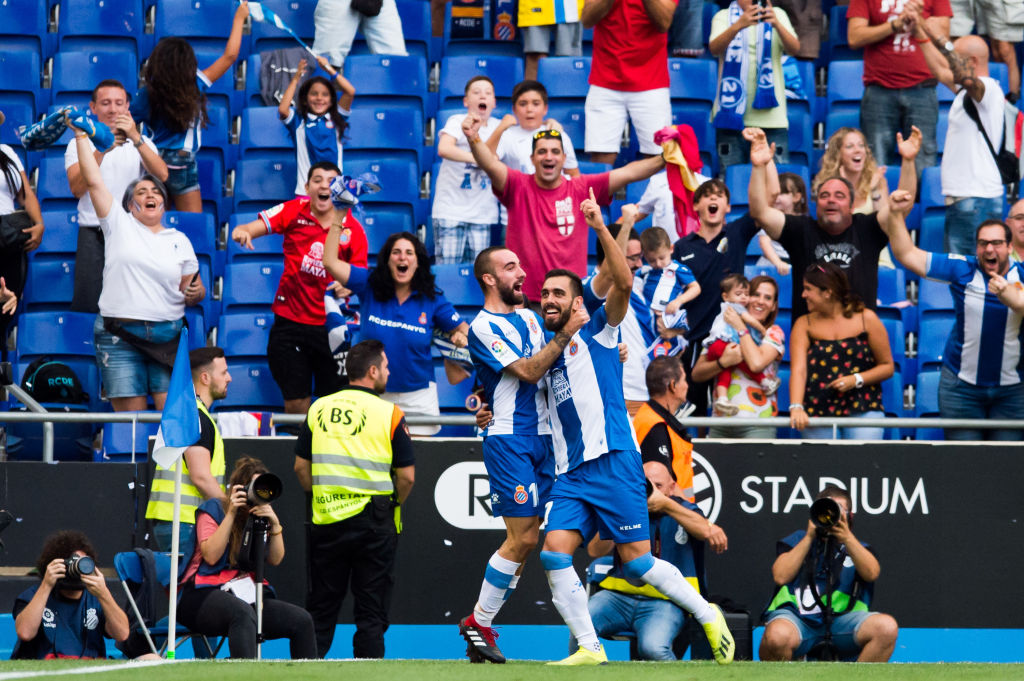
{"points": [[260, 490]]}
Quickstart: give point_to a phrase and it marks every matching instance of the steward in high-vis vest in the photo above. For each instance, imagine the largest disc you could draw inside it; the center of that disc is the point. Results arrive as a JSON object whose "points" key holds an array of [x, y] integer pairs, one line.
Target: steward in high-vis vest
{"points": [[355, 456], [203, 466], [824, 580]]}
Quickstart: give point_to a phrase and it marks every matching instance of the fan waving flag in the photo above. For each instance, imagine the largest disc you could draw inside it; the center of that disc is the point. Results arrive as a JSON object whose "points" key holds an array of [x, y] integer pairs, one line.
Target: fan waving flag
{"points": [[179, 423], [260, 13]]}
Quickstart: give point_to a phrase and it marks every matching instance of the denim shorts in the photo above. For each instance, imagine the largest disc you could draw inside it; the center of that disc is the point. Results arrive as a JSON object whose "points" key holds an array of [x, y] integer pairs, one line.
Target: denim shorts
{"points": [[125, 371], [844, 631], [182, 172]]}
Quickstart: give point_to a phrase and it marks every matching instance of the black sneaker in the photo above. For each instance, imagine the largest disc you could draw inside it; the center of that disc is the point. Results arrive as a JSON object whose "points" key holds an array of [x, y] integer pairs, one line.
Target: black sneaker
{"points": [[481, 641]]}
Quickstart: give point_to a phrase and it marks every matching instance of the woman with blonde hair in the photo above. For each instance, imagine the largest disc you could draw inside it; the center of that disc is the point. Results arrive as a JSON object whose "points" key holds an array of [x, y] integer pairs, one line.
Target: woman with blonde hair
{"points": [[847, 155]]}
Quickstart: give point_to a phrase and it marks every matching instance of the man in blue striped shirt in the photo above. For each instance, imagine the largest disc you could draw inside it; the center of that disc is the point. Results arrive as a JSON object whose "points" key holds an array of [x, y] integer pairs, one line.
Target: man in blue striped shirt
{"points": [[600, 488], [982, 372], [511, 353]]}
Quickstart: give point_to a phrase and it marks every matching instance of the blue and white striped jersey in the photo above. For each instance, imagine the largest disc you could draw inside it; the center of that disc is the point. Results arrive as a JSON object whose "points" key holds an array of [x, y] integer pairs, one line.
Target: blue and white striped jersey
{"points": [[984, 347], [495, 341], [588, 411]]}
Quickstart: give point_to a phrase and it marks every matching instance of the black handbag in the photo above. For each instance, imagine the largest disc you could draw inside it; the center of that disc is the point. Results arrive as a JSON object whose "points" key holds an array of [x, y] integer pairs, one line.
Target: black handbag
{"points": [[11, 226], [1006, 161], [368, 8]]}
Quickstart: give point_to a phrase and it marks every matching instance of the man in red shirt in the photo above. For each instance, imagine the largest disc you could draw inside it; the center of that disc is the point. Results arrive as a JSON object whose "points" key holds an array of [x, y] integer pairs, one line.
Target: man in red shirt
{"points": [[545, 226], [899, 89], [297, 351], [628, 74]]}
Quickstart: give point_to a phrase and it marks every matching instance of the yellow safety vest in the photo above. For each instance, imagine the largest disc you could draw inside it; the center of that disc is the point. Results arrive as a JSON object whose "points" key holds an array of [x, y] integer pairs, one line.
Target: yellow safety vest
{"points": [[548, 12], [161, 494], [351, 450]]}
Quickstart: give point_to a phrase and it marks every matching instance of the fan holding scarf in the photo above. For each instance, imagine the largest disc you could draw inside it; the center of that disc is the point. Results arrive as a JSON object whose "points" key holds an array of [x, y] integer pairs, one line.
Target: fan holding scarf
{"points": [[748, 38]]}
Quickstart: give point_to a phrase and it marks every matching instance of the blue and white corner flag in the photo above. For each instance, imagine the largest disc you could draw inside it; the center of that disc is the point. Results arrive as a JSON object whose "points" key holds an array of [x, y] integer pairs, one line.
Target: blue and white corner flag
{"points": [[260, 13], [179, 423]]}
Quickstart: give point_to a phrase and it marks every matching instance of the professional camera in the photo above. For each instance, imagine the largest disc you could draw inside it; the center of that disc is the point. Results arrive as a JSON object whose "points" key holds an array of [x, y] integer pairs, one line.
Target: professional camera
{"points": [[76, 566], [825, 513], [263, 489]]}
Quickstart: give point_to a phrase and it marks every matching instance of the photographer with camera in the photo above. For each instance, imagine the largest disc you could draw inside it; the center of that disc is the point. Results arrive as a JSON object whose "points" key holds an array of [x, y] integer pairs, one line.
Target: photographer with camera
{"points": [[68, 613], [825, 578], [219, 591]]}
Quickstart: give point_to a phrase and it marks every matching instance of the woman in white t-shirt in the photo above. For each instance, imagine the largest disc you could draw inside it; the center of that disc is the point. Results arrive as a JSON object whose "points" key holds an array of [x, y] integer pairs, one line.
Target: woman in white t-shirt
{"points": [[150, 274], [15, 190]]}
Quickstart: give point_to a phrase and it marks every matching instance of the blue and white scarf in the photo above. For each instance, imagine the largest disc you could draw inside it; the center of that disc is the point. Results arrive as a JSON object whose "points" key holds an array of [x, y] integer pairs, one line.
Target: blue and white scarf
{"points": [[342, 323], [732, 86]]}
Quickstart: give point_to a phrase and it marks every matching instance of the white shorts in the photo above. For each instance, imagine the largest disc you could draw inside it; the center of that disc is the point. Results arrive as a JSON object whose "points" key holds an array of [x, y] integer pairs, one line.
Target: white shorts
{"points": [[568, 39], [990, 16], [421, 402], [607, 110]]}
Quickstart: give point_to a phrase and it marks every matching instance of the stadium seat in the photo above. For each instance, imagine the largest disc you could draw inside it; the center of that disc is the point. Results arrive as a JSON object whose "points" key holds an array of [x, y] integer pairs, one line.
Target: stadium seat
{"points": [[931, 190], [892, 395], [399, 177], [737, 179], [245, 334], [934, 331], [456, 72], [692, 80], [216, 136], [926, 403], [932, 237], [260, 184], [416, 29], [21, 80], [61, 235], [55, 333], [380, 220], [206, 23], [892, 285], [264, 136], [264, 249], [837, 46], [250, 286], [201, 230], [23, 26], [196, 320], [565, 77], [384, 80], [845, 83], [842, 118], [122, 440], [459, 285], [571, 116], [103, 25], [52, 186], [391, 130], [801, 135], [1001, 73], [934, 296], [897, 341], [49, 282], [17, 115], [252, 388], [296, 14], [76, 73], [222, 93], [698, 116]]}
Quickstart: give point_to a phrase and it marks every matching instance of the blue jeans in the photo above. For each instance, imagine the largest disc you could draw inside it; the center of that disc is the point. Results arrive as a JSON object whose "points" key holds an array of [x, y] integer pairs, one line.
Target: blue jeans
{"points": [[848, 433], [961, 400], [733, 149], [963, 218], [844, 631], [687, 29], [655, 622], [884, 112], [124, 370]]}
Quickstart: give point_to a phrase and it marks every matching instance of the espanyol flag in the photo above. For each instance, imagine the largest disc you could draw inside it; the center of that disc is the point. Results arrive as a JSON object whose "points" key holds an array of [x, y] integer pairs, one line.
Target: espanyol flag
{"points": [[179, 423], [260, 13]]}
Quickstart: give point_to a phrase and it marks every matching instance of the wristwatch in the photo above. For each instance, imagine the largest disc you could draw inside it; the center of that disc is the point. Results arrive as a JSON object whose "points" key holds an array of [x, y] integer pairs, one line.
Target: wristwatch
{"points": [[948, 46], [858, 380]]}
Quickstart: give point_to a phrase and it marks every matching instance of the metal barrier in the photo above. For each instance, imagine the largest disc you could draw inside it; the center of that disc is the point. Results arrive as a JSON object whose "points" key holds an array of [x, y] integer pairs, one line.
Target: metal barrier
{"points": [[40, 415]]}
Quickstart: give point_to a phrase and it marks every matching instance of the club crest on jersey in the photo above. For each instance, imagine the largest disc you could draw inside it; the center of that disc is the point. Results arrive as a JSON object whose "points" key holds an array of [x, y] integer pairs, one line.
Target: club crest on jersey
{"points": [[573, 348], [533, 325], [520, 494], [346, 236], [423, 317]]}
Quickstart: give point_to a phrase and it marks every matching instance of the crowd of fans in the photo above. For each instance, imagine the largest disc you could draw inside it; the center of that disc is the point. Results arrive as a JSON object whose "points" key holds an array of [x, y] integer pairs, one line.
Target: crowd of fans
{"points": [[522, 186]]}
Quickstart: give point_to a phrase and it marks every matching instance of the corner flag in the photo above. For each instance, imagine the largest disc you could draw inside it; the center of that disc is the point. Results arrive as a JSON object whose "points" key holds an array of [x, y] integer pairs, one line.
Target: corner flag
{"points": [[179, 423]]}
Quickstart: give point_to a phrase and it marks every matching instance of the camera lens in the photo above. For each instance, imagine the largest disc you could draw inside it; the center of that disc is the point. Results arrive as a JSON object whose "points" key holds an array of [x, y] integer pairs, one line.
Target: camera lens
{"points": [[825, 513], [76, 566]]}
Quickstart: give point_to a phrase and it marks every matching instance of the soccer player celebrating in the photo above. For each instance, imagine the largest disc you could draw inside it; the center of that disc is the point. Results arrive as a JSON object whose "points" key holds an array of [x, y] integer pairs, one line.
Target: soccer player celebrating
{"points": [[507, 344], [600, 486]]}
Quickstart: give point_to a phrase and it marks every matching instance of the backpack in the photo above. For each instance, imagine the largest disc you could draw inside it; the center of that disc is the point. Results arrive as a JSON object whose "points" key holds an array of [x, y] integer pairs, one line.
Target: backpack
{"points": [[1013, 139], [48, 381]]}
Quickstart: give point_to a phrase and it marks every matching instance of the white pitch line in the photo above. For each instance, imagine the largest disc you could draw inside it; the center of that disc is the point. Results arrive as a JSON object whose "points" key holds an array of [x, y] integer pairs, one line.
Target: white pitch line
{"points": [[88, 670]]}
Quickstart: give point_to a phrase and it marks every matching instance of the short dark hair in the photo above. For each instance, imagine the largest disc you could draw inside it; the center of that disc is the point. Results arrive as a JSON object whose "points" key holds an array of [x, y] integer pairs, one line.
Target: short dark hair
{"points": [[654, 238], [61, 545], [661, 372], [524, 86], [201, 358], [849, 186], [575, 282], [477, 79], [731, 281], [362, 356], [322, 165], [550, 134], [110, 82], [482, 264], [989, 223], [712, 186], [614, 229], [129, 192]]}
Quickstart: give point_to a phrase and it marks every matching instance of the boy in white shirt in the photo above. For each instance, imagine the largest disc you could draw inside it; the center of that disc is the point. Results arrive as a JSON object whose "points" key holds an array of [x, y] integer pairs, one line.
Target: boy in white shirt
{"points": [[512, 141], [464, 207]]}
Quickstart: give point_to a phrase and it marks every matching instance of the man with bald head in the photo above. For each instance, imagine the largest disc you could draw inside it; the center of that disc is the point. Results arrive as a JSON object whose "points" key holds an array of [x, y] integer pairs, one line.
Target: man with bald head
{"points": [[971, 181]]}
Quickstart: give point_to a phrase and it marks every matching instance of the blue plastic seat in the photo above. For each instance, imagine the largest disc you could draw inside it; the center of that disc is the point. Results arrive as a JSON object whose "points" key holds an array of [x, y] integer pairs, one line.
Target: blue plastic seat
{"points": [[381, 220], [934, 296], [897, 341], [201, 22], [565, 77], [801, 135], [103, 25], [892, 395], [296, 14], [926, 403], [195, 317], [84, 367], [838, 45], [932, 237], [383, 79], [505, 72], [76, 73], [21, 79], [892, 285], [222, 93], [260, 184], [399, 176], [216, 136], [841, 118], [571, 116], [56, 333], [17, 115], [737, 179], [417, 29], [845, 82], [245, 334], [459, 285], [23, 26], [392, 130], [52, 186], [267, 248], [698, 116], [201, 230], [50, 282], [122, 440], [264, 136], [250, 286], [692, 80], [211, 186], [252, 388], [934, 330], [61, 236]]}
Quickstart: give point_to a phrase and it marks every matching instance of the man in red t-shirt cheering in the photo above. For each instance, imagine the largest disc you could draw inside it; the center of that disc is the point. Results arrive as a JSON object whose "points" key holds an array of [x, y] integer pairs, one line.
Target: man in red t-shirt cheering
{"points": [[899, 89], [628, 74], [297, 351], [545, 226]]}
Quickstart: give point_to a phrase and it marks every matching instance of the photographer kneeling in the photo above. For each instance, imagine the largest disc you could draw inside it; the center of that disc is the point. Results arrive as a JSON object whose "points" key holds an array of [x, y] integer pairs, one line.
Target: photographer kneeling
{"points": [[67, 614], [827, 616], [218, 592]]}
